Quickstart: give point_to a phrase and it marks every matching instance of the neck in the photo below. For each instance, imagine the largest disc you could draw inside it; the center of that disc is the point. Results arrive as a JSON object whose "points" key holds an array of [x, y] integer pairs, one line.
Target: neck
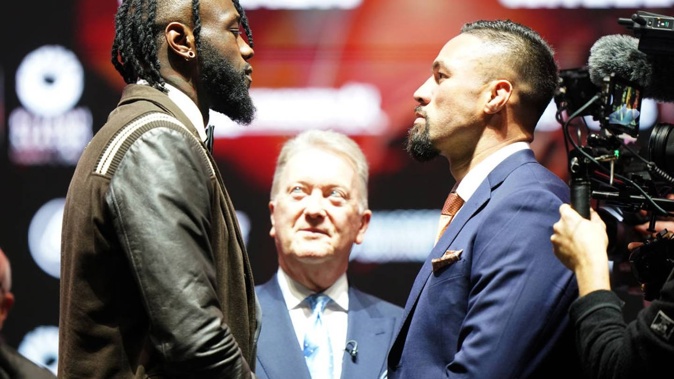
{"points": [[316, 278], [460, 166]]}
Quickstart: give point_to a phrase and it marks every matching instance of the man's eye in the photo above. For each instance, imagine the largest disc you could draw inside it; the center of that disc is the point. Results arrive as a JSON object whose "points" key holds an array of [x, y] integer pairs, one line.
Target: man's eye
{"points": [[296, 189], [337, 194], [236, 32]]}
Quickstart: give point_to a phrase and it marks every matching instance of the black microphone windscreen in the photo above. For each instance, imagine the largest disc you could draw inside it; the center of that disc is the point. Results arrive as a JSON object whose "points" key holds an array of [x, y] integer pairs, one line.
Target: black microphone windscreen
{"points": [[620, 55]]}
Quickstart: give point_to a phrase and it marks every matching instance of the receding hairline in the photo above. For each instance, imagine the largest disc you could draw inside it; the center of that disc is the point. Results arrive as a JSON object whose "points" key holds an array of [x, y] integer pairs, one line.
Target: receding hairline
{"points": [[320, 148], [336, 143], [485, 55]]}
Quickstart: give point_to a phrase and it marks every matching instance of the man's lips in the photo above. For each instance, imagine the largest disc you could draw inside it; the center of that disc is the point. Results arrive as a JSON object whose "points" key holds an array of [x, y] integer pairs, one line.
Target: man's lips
{"points": [[419, 116], [249, 74], [314, 231]]}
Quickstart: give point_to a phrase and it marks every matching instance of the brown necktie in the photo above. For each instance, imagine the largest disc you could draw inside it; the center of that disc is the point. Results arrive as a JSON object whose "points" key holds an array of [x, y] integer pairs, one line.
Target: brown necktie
{"points": [[452, 205]]}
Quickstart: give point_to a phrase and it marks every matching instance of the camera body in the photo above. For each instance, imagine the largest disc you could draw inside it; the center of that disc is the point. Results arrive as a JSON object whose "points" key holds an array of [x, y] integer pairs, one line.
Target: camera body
{"points": [[653, 263], [602, 161], [608, 171], [654, 31], [618, 107]]}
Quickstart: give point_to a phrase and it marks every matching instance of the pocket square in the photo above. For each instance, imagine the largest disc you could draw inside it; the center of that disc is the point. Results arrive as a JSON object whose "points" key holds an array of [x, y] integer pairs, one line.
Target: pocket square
{"points": [[449, 257]]}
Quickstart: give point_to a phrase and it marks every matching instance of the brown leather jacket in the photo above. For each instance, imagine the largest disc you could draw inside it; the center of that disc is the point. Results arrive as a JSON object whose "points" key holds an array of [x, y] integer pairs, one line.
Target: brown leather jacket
{"points": [[155, 278]]}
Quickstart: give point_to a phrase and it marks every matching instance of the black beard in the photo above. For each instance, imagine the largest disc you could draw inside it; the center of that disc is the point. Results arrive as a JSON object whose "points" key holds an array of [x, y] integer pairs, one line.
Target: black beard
{"points": [[226, 88], [419, 144]]}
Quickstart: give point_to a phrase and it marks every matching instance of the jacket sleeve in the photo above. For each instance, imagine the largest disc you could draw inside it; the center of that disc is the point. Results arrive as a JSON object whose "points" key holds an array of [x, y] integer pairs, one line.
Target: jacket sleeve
{"points": [[160, 199], [609, 348]]}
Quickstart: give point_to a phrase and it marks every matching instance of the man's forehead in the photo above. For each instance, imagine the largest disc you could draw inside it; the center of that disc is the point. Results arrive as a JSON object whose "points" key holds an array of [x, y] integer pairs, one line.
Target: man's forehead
{"points": [[463, 45], [465, 49]]}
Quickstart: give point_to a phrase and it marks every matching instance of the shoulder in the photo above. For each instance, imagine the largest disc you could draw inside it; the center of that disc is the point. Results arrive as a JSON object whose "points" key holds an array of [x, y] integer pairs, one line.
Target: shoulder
{"points": [[267, 285], [534, 182], [156, 138], [370, 301], [521, 172], [268, 290]]}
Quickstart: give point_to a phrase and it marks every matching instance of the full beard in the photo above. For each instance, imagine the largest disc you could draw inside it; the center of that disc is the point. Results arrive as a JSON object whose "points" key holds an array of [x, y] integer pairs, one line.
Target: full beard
{"points": [[419, 144], [227, 88]]}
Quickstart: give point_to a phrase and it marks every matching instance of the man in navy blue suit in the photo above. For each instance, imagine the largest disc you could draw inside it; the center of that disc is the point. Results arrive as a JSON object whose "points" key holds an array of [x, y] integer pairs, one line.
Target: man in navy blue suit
{"points": [[490, 301], [319, 209]]}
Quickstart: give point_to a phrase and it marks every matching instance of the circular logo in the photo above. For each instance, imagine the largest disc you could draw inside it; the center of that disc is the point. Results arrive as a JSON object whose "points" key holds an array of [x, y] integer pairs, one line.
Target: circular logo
{"points": [[44, 237], [50, 80]]}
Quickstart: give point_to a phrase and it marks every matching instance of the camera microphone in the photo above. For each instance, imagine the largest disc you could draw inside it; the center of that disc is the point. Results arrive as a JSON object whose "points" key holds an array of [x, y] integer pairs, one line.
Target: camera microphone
{"points": [[620, 55]]}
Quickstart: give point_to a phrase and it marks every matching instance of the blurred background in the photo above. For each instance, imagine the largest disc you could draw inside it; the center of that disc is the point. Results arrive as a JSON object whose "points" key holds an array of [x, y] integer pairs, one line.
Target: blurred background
{"points": [[347, 65]]}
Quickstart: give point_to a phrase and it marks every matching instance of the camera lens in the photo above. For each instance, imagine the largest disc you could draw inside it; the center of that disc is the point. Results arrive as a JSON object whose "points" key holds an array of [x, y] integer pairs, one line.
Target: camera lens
{"points": [[661, 147]]}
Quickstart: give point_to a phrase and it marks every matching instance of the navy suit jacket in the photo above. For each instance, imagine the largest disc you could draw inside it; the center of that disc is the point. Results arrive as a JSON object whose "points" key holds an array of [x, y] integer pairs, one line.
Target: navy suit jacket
{"points": [[372, 324], [500, 310]]}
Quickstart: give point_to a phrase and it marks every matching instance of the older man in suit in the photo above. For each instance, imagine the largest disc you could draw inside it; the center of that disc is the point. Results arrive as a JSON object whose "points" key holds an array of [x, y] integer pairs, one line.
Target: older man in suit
{"points": [[318, 211]]}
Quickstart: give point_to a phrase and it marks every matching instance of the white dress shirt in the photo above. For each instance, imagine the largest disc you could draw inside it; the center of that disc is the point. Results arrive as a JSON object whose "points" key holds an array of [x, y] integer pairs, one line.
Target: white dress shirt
{"points": [[466, 188], [335, 314]]}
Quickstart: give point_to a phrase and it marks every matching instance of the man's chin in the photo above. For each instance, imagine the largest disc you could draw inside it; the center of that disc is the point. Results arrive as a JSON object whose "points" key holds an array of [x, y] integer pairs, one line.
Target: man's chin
{"points": [[243, 114], [314, 255], [422, 152]]}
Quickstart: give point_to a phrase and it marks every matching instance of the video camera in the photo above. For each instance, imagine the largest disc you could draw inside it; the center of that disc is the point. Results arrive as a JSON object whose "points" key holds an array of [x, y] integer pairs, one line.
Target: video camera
{"points": [[653, 30], [653, 263], [605, 166]]}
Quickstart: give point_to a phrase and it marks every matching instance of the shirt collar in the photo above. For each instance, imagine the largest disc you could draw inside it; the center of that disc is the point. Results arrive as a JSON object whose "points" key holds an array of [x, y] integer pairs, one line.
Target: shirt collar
{"points": [[186, 105], [294, 293], [474, 177]]}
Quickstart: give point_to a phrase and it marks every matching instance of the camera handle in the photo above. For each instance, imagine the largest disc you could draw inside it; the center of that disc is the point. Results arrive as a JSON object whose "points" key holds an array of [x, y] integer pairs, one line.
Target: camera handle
{"points": [[580, 184]]}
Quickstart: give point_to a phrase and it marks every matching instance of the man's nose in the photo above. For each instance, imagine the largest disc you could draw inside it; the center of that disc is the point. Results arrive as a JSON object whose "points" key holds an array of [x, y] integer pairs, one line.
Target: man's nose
{"points": [[315, 205], [423, 93]]}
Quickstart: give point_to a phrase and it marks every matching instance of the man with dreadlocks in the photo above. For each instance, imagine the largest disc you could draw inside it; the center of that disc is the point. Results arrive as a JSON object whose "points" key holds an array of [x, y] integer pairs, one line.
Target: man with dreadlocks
{"points": [[155, 278]]}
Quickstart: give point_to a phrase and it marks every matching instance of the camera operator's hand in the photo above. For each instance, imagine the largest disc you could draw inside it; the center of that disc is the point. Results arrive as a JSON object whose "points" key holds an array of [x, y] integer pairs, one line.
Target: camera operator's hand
{"points": [[580, 244], [662, 222]]}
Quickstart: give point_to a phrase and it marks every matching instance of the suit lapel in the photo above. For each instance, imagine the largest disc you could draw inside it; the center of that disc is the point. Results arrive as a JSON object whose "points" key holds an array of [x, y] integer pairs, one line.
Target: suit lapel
{"points": [[472, 206], [281, 347], [371, 330]]}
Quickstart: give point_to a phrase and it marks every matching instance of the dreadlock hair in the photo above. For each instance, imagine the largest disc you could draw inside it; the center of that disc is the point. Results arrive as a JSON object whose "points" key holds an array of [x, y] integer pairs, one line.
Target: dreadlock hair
{"points": [[134, 49]]}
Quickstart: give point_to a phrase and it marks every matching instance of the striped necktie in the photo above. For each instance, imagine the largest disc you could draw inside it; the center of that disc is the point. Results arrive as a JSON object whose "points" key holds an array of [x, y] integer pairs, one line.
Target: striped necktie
{"points": [[317, 347], [451, 207]]}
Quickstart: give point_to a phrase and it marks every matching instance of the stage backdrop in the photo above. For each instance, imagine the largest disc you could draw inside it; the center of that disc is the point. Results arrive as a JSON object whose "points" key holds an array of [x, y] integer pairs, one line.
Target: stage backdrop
{"points": [[347, 65]]}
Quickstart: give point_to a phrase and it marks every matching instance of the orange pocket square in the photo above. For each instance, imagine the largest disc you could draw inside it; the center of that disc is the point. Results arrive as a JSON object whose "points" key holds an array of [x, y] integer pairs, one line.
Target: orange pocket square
{"points": [[449, 257]]}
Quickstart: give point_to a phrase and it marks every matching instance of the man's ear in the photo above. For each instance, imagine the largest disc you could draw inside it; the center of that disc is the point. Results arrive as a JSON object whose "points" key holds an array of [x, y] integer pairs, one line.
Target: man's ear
{"points": [[180, 40], [364, 223], [272, 231], [5, 306], [500, 93]]}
